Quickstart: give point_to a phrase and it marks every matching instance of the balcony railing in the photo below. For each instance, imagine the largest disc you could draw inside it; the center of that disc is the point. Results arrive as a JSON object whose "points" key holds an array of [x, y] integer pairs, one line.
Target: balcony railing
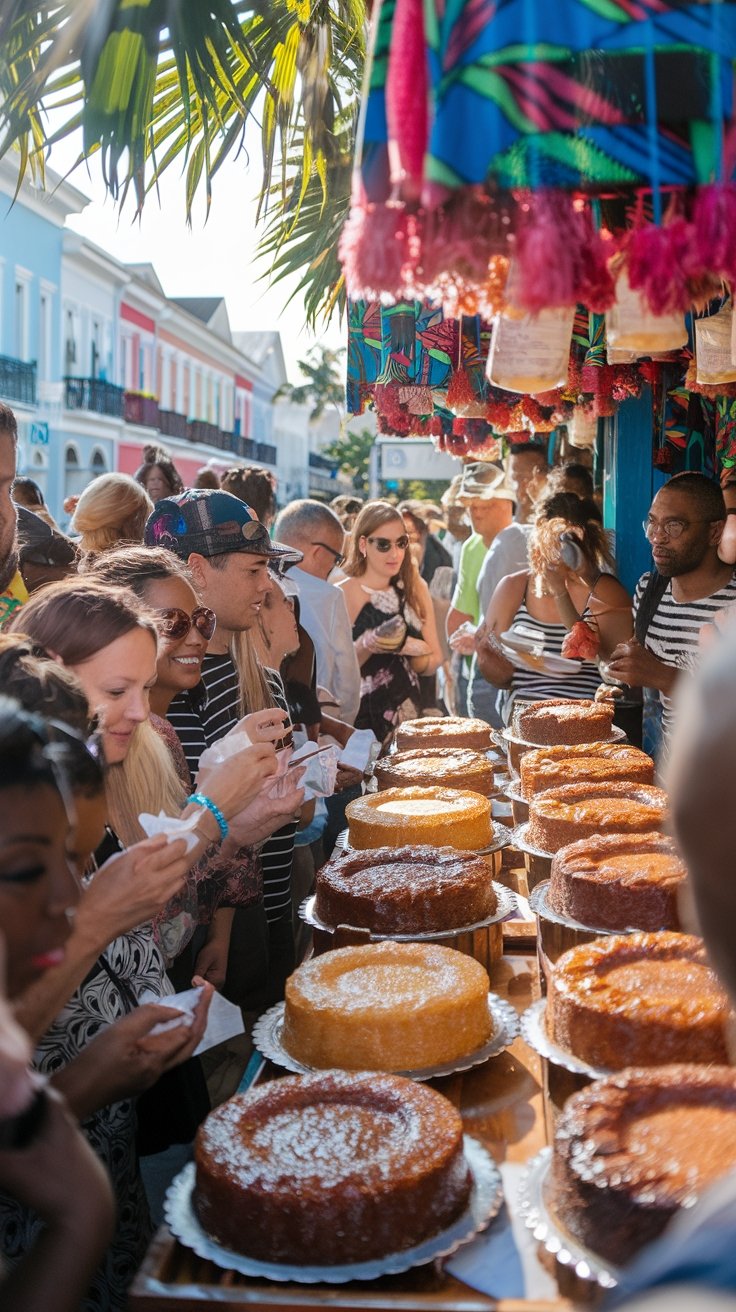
{"points": [[94, 394], [140, 409], [18, 380], [172, 424]]}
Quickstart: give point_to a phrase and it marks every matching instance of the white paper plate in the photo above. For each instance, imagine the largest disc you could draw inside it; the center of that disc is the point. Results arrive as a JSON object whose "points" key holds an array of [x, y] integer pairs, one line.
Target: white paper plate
{"points": [[268, 1039], [485, 1201], [524, 654], [534, 1032], [548, 1231]]}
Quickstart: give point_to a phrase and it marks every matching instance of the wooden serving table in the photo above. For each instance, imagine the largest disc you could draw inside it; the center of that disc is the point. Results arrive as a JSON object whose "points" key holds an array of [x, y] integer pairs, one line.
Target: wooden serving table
{"points": [[501, 1105]]}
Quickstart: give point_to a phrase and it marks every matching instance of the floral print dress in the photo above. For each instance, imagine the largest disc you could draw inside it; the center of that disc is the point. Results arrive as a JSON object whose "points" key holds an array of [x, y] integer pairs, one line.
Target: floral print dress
{"points": [[389, 689]]}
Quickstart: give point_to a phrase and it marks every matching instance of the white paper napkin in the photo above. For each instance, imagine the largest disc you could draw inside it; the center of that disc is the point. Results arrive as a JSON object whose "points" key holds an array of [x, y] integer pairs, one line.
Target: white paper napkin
{"points": [[224, 1019]]}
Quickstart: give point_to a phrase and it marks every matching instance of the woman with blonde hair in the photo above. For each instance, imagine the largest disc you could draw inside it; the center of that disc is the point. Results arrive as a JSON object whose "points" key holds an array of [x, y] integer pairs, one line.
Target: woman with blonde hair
{"points": [[111, 511], [394, 629]]}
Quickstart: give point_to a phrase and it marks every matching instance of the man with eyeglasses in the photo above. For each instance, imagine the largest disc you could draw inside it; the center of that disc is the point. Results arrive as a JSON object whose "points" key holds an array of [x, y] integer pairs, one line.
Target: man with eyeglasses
{"points": [[688, 588], [316, 531]]}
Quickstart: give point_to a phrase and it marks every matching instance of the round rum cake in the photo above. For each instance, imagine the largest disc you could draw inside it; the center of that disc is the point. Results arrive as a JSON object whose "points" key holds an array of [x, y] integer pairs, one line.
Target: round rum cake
{"points": [[441, 817], [632, 1149], [562, 720], [585, 810], [638, 1000], [386, 1006], [405, 890], [443, 731], [328, 1169], [619, 881], [553, 767], [453, 767]]}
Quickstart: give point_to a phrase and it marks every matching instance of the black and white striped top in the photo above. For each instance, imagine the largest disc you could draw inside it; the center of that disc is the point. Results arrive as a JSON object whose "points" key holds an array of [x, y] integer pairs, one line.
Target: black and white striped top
{"points": [[675, 627], [201, 721], [531, 686]]}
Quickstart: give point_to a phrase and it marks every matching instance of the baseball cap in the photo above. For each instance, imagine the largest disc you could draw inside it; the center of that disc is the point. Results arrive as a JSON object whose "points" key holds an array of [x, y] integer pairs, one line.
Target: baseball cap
{"points": [[212, 523], [485, 481]]}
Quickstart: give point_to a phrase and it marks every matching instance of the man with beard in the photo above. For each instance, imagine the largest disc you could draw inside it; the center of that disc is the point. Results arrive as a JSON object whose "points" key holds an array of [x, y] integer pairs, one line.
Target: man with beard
{"points": [[684, 526], [12, 588]]}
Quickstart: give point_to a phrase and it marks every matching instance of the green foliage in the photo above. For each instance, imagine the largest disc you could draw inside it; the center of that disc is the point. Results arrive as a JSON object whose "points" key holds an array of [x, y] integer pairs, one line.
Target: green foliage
{"points": [[324, 384], [353, 450], [157, 82]]}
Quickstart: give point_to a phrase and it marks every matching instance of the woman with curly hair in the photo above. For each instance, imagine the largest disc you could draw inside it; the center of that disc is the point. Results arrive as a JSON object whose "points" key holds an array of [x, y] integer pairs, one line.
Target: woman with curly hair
{"points": [[158, 474], [391, 611], [569, 601]]}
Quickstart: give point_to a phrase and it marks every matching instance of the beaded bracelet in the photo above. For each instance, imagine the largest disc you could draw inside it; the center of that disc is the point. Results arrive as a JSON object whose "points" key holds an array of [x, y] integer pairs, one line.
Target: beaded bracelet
{"points": [[202, 800]]}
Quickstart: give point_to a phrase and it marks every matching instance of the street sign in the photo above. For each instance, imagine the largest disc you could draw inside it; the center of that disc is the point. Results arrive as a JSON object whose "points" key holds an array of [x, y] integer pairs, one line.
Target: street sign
{"points": [[39, 434]]}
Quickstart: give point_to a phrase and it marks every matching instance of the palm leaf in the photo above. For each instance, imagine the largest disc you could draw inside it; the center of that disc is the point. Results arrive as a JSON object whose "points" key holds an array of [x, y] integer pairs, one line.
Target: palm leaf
{"points": [[155, 81]]}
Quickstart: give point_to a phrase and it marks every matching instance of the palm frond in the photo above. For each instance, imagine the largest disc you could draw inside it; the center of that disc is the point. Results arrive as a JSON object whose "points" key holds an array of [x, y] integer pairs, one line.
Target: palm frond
{"points": [[152, 82]]}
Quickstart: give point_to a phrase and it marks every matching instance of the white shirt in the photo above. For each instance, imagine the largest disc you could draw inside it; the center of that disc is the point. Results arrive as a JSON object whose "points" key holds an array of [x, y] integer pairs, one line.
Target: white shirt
{"points": [[507, 554], [324, 615]]}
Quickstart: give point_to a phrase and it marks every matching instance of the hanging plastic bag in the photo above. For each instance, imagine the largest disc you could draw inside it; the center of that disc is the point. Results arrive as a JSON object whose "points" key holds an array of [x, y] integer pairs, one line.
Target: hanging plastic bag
{"points": [[582, 431], [713, 348], [631, 326], [531, 354]]}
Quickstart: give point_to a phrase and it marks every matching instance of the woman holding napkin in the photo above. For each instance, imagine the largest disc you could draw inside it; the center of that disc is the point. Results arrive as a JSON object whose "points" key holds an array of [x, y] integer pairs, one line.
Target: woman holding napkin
{"points": [[394, 629]]}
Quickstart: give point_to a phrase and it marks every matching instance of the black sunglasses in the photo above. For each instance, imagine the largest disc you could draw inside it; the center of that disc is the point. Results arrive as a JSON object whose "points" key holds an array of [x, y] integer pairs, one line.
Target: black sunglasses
{"points": [[385, 544], [175, 623], [339, 558]]}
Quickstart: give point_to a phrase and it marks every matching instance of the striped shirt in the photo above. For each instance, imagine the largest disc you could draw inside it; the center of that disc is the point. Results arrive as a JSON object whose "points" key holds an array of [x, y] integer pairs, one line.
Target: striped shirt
{"points": [[200, 721], [675, 627], [531, 685]]}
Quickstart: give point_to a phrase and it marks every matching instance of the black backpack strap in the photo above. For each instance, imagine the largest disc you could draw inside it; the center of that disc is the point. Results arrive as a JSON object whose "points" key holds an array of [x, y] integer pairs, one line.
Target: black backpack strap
{"points": [[655, 588]]}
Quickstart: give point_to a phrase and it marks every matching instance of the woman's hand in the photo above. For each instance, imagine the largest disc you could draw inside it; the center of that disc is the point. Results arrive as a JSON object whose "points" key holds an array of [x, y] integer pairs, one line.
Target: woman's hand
{"points": [[495, 667], [267, 726], [233, 783], [556, 577], [125, 1059], [263, 816], [415, 647], [131, 888]]}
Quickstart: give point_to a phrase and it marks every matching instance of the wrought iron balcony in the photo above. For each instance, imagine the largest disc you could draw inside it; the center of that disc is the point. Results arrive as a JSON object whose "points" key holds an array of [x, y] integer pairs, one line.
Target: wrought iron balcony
{"points": [[172, 424], [210, 434], [140, 409], [17, 380], [94, 394]]}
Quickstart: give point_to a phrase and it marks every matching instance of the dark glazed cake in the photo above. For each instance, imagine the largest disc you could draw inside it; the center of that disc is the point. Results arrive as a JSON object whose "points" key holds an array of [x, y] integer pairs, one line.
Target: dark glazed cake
{"points": [[632, 1149], [332, 1168], [405, 890]]}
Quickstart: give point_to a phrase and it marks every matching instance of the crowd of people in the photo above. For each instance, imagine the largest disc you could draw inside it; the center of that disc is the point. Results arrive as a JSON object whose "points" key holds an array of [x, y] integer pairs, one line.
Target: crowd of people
{"points": [[163, 659]]}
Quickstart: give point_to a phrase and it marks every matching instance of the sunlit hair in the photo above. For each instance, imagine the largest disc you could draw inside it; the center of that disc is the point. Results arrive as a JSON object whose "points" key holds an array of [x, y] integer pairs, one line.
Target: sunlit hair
{"points": [[255, 694], [45, 688], [113, 509], [76, 620], [145, 781], [78, 617], [566, 512], [374, 516], [135, 568]]}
